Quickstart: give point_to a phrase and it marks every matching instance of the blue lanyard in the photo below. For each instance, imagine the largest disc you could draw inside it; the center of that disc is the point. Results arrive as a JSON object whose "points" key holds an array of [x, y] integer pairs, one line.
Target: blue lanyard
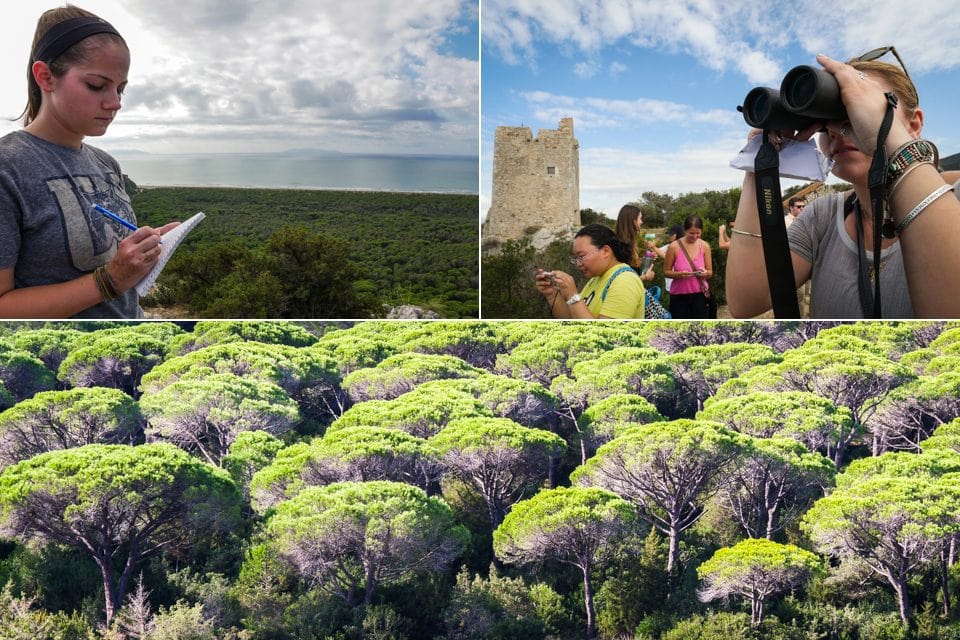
{"points": [[603, 296]]}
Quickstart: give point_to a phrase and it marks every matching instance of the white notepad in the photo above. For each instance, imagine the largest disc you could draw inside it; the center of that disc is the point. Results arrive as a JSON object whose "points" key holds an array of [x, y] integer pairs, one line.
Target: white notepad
{"points": [[171, 240]]}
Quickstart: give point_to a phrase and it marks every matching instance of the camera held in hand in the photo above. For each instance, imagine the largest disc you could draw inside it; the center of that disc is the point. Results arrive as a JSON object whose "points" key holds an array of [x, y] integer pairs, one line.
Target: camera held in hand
{"points": [[807, 95]]}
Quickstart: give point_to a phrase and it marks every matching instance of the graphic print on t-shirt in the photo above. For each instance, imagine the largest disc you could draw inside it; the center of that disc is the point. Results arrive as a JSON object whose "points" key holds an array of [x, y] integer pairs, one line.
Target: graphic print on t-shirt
{"points": [[91, 238]]}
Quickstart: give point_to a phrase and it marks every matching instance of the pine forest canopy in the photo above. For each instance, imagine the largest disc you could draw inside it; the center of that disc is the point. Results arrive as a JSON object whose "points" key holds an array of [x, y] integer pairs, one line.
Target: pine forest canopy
{"points": [[473, 479]]}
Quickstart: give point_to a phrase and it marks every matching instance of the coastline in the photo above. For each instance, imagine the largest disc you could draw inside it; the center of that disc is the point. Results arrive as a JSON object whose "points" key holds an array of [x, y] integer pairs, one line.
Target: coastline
{"points": [[145, 187]]}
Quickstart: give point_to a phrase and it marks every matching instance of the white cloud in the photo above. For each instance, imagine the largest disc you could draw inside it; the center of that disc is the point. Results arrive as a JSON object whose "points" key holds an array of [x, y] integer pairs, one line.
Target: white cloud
{"points": [[740, 35], [594, 113], [710, 30], [617, 68], [368, 75], [585, 69]]}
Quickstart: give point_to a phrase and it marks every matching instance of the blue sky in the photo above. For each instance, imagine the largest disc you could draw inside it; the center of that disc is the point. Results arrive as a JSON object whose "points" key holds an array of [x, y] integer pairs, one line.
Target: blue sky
{"points": [[217, 76], [653, 86]]}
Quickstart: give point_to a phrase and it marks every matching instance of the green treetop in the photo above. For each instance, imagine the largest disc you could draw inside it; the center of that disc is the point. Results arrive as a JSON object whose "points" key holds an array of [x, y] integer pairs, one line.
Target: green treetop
{"points": [[698, 371], [118, 504], [499, 458], [575, 526], [637, 370], [755, 570], [51, 346], [896, 525], [806, 417], [607, 418], [351, 537], [203, 416], [23, 375], [402, 373], [668, 470], [54, 420], [208, 333], [119, 360], [357, 454], [422, 412]]}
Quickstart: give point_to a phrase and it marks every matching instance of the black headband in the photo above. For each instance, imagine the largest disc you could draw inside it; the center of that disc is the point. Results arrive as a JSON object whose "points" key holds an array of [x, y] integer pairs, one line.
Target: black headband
{"points": [[64, 35]]}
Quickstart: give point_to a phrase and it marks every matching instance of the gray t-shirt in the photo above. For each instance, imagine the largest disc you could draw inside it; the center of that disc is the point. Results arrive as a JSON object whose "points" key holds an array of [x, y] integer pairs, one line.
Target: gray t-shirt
{"points": [[818, 236], [48, 230]]}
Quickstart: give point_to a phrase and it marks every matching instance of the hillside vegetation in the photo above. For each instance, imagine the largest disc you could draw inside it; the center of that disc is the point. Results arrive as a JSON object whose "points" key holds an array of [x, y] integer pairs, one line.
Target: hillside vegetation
{"points": [[332, 254]]}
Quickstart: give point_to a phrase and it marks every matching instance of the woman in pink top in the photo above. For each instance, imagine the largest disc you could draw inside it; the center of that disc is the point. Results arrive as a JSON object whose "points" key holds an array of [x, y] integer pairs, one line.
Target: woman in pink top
{"points": [[686, 292]]}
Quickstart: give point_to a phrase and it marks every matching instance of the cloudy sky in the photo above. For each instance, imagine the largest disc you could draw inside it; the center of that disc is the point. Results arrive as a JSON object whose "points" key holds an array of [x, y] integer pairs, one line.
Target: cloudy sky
{"points": [[369, 76], [653, 86]]}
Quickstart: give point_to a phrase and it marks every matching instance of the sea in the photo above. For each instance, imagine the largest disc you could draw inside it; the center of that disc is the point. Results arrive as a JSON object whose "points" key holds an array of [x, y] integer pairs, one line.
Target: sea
{"points": [[428, 174]]}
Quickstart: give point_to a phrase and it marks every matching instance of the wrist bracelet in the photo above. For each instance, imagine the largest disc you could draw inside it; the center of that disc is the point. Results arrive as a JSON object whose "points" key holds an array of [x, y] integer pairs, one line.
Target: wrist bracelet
{"points": [[745, 233], [107, 292], [923, 204], [903, 175], [915, 151], [108, 280], [574, 299]]}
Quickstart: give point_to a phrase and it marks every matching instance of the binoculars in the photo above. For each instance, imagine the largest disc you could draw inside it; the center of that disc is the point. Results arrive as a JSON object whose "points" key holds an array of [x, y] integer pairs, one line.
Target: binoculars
{"points": [[807, 95]]}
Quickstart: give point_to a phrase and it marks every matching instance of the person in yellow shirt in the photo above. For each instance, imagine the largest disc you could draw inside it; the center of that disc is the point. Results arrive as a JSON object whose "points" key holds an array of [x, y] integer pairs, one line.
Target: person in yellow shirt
{"points": [[614, 289]]}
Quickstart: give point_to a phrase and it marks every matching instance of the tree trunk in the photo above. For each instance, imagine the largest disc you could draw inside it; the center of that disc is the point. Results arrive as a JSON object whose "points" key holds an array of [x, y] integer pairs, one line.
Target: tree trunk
{"points": [[756, 609], [588, 602], [945, 580], [771, 521], [109, 591], [370, 584], [903, 599], [673, 552]]}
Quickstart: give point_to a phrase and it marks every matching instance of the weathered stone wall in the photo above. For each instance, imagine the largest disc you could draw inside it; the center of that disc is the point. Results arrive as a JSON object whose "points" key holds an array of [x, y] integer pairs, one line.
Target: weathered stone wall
{"points": [[536, 182]]}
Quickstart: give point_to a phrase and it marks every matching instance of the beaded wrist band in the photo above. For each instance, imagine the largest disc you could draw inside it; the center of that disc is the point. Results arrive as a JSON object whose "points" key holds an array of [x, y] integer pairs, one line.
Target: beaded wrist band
{"points": [[915, 151], [923, 204]]}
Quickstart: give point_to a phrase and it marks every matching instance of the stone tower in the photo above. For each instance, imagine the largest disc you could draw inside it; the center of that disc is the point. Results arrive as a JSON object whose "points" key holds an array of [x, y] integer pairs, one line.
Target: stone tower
{"points": [[536, 182]]}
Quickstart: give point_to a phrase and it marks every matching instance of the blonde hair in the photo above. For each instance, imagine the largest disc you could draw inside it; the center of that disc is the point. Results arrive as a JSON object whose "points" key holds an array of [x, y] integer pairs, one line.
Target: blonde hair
{"points": [[896, 78], [72, 56]]}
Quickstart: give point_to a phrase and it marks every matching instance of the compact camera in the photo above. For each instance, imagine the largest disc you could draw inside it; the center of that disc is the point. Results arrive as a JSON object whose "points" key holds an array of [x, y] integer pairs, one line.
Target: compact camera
{"points": [[807, 95], [550, 276]]}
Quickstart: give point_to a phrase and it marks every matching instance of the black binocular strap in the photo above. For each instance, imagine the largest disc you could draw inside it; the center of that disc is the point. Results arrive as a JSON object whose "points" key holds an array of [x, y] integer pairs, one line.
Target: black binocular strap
{"points": [[773, 232], [876, 182]]}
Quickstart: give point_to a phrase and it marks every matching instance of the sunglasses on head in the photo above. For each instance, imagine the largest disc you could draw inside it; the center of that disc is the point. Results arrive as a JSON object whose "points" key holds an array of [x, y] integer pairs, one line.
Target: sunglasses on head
{"points": [[879, 52]]}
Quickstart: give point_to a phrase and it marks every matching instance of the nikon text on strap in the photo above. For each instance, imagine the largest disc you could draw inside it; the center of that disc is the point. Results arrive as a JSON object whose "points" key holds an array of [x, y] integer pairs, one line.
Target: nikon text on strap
{"points": [[773, 232]]}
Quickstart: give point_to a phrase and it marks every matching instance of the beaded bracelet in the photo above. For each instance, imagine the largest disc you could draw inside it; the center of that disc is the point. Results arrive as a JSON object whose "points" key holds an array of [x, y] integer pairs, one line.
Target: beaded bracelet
{"points": [[923, 204], [915, 151]]}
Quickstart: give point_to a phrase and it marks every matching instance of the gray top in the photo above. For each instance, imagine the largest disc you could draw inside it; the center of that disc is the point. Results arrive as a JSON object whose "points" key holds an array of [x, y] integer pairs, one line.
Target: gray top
{"points": [[48, 230], [818, 236]]}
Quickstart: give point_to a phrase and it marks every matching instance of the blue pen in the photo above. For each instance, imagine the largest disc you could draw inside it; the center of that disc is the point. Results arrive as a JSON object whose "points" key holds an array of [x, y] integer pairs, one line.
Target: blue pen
{"points": [[113, 216]]}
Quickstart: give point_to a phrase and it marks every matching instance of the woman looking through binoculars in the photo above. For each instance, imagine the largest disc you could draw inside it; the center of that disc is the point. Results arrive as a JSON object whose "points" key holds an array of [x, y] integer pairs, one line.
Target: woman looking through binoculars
{"points": [[919, 266]]}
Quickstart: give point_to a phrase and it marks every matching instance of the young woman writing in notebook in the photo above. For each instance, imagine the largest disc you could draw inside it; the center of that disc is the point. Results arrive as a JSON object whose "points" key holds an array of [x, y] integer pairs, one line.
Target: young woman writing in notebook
{"points": [[60, 257]]}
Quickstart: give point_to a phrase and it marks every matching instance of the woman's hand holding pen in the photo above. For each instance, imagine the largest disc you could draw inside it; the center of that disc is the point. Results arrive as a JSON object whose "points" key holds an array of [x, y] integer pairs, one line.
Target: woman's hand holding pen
{"points": [[136, 255]]}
